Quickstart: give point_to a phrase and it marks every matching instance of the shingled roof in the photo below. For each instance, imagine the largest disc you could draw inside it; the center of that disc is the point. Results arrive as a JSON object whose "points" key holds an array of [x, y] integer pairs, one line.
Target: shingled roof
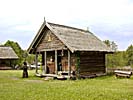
{"points": [[7, 53], [74, 39]]}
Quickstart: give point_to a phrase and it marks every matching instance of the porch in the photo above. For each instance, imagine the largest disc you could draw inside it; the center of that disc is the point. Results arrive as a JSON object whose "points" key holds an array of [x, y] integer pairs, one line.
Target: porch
{"points": [[55, 64]]}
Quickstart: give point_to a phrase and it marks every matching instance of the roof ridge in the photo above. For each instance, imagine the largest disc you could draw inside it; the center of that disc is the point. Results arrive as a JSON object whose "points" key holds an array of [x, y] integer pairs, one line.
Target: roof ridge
{"points": [[69, 27]]}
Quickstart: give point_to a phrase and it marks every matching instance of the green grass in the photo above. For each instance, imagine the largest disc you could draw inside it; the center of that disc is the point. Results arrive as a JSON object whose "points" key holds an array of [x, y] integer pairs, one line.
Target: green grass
{"points": [[13, 87]]}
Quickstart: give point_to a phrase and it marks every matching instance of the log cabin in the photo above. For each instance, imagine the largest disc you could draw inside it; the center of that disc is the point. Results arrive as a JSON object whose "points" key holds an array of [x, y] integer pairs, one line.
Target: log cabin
{"points": [[68, 49], [7, 56]]}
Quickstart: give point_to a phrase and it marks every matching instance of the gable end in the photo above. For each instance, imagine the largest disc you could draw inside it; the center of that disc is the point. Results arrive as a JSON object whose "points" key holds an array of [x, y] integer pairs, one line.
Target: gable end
{"points": [[49, 42]]}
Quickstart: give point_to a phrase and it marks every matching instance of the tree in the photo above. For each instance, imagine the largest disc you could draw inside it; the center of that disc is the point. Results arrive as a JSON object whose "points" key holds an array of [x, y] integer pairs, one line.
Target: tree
{"points": [[111, 59], [118, 58], [113, 46], [15, 46], [107, 42], [129, 52], [31, 58], [22, 54]]}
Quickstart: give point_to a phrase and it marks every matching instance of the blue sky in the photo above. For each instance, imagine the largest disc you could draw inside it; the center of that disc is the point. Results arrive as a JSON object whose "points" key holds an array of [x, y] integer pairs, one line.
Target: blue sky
{"points": [[107, 19]]}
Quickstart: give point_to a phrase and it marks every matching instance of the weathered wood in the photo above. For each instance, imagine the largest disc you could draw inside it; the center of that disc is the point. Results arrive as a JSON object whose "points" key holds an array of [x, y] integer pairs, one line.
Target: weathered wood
{"points": [[45, 58], [51, 66], [49, 75], [88, 64], [120, 73], [53, 44], [93, 67], [46, 75], [56, 66], [92, 62], [88, 76], [36, 62], [40, 38], [5, 68], [69, 63], [92, 71], [123, 72], [87, 52]]}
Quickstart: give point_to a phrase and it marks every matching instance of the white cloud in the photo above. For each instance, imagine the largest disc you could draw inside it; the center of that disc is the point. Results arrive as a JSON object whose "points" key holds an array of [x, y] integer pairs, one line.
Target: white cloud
{"points": [[108, 18]]}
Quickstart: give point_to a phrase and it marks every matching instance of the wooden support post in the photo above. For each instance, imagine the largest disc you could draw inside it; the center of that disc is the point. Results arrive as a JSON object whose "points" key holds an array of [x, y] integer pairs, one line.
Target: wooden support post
{"points": [[36, 62], [69, 63], [45, 66], [56, 66]]}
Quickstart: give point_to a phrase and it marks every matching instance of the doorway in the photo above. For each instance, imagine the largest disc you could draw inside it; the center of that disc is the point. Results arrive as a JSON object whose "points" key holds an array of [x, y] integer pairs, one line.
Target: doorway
{"points": [[59, 63]]}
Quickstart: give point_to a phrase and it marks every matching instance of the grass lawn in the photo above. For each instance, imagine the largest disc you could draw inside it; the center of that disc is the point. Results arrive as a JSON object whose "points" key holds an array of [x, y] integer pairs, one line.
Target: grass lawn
{"points": [[13, 87]]}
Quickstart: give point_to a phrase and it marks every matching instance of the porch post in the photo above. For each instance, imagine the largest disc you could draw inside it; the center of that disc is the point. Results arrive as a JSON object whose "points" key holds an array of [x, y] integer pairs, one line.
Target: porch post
{"points": [[36, 62], [56, 67], [45, 66], [69, 63]]}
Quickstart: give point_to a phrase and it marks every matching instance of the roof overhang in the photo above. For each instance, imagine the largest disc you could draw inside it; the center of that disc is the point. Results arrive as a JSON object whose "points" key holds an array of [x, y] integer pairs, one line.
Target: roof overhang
{"points": [[34, 44]]}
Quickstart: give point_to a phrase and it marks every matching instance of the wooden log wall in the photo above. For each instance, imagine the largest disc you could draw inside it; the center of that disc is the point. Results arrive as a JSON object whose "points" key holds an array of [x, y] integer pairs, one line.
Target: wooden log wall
{"points": [[92, 63]]}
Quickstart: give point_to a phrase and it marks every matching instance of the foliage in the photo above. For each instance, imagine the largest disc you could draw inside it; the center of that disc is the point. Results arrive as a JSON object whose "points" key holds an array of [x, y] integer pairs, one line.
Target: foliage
{"points": [[40, 57], [107, 42], [119, 58], [30, 58], [77, 63], [15, 46], [111, 44], [14, 87], [22, 54], [130, 55], [114, 46]]}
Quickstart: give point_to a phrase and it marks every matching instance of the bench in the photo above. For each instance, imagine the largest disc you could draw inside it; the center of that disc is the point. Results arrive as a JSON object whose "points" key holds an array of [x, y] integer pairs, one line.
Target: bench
{"points": [[120, 73]]}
